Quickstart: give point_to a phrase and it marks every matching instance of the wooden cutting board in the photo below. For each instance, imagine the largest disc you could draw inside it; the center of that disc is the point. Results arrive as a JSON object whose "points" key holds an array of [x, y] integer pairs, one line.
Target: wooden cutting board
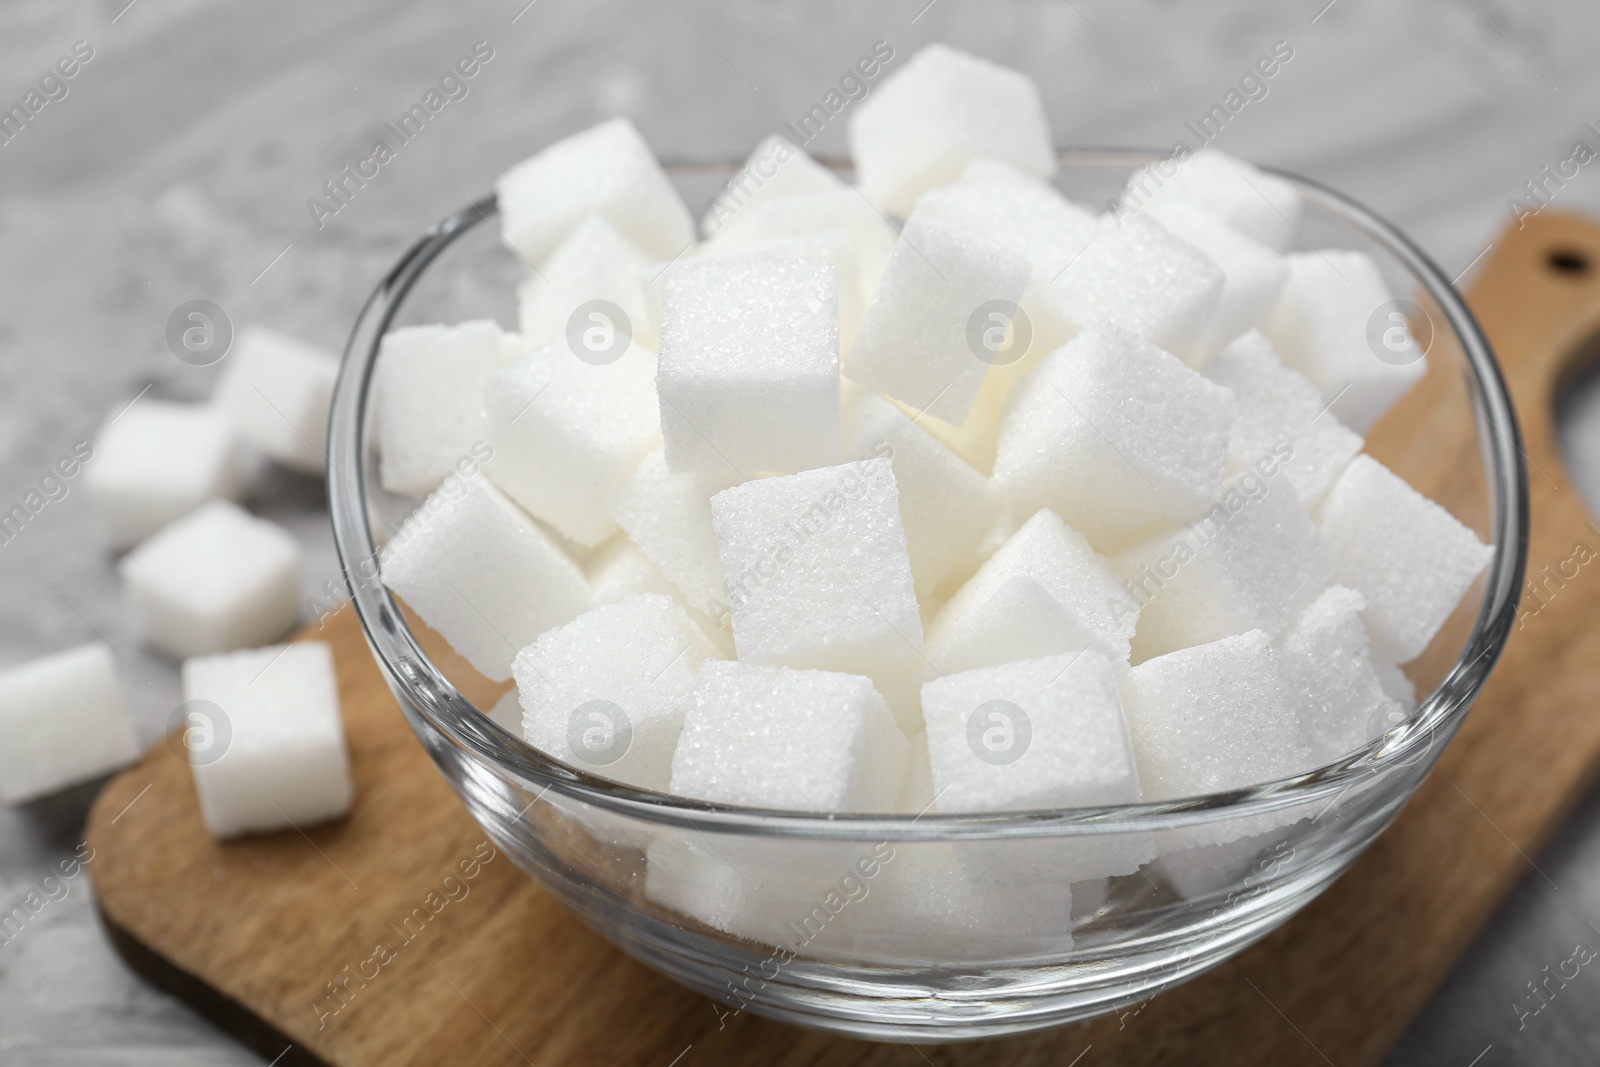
{"points": [[252, 932]]}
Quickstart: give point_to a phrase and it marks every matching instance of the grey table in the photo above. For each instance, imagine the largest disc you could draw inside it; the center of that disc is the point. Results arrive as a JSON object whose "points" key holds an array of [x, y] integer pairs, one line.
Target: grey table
{"points": [[180, 162]]}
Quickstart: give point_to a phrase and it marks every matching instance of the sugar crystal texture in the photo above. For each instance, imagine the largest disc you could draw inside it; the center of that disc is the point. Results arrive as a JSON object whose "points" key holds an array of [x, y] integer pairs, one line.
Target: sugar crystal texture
{"points": [[566, 431], [64, 721], [921, 339], [1137, 275], [775, 170], [1259, 205], [427, 397], [277, 390], [608, 691], [1282, 426], [1336, 323], [1116, 436], [606, 170], [272, 755], [594, 264], [669, 517], [780, 738], [1251, 562], [1327, 667], [810, 215], [1410, 558], [817, 575], [1253, 275], [216, 580], [944, 504], [943, 108], [481, 572], [1211, 718], [153, 462], [749, 377], [1042, 593], [835, 247]]}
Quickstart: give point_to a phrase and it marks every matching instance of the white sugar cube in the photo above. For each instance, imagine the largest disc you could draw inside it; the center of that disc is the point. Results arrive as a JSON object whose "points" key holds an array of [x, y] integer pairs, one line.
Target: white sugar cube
{"points": [[1281, 423], [427, 397], [916, 788], [1140, 277], [1116, 436], [749, 377], [154, 462], [836, 247], [608, 691], [943, 108], [922, 338], [1261, 206], [945, 505], [64, 722], [1043, 592], [1211, 718], [817, 575], [618, 569], [774, 737], [482, 573], [273, 757], [1410, 558], [277, 390], [1253, 275], [1251, 562], [216, 580], [606, 170], [669, 517], [562, 301], [775, 169], [566, 432], [1038, 733], [1336, 324], [841, 211], [1327, 668]]}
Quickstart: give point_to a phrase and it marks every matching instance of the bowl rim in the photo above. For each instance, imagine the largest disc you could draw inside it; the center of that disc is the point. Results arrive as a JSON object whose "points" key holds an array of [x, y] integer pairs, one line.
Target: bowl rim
{"points": [[430, 700]]}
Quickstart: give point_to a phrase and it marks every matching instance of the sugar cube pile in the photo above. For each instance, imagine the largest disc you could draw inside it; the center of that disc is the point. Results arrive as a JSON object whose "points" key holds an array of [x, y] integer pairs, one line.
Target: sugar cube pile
{"points": [[938, 492]]}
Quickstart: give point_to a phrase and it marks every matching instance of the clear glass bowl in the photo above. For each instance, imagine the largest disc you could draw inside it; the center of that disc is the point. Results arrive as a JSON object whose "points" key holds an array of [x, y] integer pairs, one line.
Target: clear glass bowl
{"points": [[943, 926]]}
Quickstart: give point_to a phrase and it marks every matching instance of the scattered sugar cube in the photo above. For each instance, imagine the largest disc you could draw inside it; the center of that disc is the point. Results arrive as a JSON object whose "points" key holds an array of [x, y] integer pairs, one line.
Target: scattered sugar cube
{"points": [[1211, 718], [1253, 275], [594, 263], [1410, 558], [669, 517], [1262, 206], [1328, 671], [154, 462], [606, 170], [945, 505], [618, 569], [1251, 562], [217, 580], [1116, 436], [772, 737], [921, 338], [817, 575], [427, 398], [277, 390], [276, 753], [608, 691], [1137, 275], [1068, 746], [840, 211], [775, 169], [1281, 424], [64, 722], [749, 375], [482, 573], [1043, 592], [943, 108], [1330, 325], [836, 247], [566, 432]]}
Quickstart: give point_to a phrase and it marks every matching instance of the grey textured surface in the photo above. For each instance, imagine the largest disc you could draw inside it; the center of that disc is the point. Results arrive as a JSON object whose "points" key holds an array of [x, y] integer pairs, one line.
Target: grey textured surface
{"points": [[179, 165]]}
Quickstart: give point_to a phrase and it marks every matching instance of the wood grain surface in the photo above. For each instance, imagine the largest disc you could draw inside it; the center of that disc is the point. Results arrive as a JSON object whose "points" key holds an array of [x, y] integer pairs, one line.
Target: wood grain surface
{"points": [[255, 932]]}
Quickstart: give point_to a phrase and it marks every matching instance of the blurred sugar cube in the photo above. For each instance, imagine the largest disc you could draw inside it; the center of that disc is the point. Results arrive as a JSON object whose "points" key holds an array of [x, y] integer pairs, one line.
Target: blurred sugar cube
{"points": [[277, 390], [64, 722]]}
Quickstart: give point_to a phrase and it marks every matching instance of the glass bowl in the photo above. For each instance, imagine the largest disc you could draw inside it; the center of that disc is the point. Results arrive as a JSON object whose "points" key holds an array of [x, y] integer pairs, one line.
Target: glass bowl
{"points": [[942, 926]]}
